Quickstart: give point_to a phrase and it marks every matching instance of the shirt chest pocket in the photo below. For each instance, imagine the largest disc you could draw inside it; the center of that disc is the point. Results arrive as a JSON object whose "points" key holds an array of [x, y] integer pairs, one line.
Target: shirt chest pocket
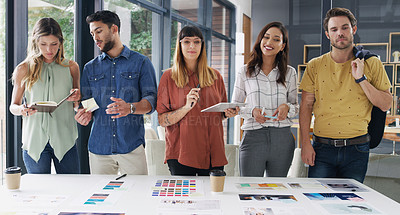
{"points": [[97, 79], [129, 80], [128, 85], [129, 75]]}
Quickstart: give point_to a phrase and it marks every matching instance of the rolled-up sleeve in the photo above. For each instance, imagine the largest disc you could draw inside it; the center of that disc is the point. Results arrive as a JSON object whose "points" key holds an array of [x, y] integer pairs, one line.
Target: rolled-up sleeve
{"points": [[239, 94], [148, 84], [292, 94]]}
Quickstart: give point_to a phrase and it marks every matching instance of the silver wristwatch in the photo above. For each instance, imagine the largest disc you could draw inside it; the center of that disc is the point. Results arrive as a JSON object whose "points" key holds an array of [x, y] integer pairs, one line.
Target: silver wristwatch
{"points": [[133, 108]]}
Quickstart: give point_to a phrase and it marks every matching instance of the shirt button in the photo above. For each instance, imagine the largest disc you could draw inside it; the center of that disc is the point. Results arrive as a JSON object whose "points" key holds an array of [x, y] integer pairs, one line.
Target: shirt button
{"points": [[113, 91], [95, 79], [113, 120], [130, 76], [113, 135], [113, 76], [114, 63]]}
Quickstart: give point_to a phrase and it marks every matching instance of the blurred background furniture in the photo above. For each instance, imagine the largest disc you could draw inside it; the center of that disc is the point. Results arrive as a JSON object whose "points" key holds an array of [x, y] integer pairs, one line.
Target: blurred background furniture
{"points": [[161, 132], [232, 155], [155, 155], [298, 168], [150, 133]]}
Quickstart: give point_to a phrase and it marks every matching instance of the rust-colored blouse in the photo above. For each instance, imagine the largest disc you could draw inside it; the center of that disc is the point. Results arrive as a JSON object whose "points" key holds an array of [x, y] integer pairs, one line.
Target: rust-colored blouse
{"points": [[198, 138]]}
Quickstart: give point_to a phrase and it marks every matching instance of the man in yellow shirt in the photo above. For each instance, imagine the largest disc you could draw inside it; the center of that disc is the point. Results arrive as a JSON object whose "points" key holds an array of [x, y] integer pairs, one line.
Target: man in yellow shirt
{"points": [[341, 91]]}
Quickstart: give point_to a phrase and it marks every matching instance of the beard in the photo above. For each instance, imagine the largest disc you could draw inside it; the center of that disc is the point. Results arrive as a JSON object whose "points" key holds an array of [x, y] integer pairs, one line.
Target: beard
{"points": [[343, 44], [108, 46]]}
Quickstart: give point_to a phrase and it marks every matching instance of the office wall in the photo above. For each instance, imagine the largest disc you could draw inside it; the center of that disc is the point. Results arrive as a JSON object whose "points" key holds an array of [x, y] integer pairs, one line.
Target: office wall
{"points": [[266, 11]]}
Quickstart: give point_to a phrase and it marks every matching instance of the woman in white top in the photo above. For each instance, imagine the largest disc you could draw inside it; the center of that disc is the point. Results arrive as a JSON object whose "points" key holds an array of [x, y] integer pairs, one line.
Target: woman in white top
{"points": [[268, 86]]}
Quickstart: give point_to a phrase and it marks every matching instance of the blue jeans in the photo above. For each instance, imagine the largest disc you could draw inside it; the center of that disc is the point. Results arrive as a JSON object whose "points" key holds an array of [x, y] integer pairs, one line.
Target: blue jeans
{"points": [[340, 162], [68, 165]]}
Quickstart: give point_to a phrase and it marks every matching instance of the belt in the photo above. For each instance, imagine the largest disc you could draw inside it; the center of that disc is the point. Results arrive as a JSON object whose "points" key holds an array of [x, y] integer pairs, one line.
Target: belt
{"points": [[342, 142]]}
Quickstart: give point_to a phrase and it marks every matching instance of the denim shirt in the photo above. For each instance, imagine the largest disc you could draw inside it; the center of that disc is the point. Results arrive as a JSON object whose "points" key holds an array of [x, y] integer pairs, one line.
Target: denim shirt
{"points": [[131, 77]]}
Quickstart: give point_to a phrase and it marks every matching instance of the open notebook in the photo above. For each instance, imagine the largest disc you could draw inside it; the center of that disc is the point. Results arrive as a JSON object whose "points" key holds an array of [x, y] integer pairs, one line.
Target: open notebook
{"points": [[49, 106]]}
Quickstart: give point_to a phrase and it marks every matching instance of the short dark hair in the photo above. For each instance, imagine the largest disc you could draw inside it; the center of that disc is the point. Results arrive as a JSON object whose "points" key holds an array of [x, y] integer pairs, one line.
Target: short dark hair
{"points": [[107, 17], [337, 11]]}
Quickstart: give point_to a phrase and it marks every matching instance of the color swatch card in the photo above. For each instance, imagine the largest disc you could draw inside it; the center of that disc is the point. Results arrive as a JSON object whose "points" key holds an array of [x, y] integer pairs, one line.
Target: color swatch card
{"points": [[178, 188], [97, 198], [110, 186], [266, 186], [113, 185]]}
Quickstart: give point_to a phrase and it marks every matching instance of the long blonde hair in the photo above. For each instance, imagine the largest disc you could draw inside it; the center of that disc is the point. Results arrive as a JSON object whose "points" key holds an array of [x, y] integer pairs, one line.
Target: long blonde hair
{"points": [[180, 75], [34, 59]]}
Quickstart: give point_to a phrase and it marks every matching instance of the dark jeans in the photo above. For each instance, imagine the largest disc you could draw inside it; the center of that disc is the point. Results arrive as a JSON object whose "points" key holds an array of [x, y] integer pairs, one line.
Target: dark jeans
{"points": [[340, 162], [68, 165], [177, 168]]}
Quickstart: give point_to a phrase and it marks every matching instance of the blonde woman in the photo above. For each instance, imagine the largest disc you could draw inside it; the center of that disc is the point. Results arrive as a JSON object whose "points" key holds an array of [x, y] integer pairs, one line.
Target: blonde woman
{"points": [[45, 75], [194, 140]]}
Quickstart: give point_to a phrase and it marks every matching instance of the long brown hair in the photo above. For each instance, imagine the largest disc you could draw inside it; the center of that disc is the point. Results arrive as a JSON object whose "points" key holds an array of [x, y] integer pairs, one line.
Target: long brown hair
{"points": [[207, 75], [34, 59], [281, 59]]}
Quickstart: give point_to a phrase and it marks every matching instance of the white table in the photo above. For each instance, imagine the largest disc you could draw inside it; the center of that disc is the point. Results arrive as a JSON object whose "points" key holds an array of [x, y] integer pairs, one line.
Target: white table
{"points": [[138, 199]]}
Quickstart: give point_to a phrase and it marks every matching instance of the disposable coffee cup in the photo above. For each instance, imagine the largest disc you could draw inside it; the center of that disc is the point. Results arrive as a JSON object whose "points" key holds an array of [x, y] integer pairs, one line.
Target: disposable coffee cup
{"points": [[217, 180], [13, 177]]}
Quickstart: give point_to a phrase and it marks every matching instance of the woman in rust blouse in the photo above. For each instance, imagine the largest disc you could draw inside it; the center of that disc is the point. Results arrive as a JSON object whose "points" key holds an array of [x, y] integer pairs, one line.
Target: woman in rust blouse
{"points": [[194, 140]]}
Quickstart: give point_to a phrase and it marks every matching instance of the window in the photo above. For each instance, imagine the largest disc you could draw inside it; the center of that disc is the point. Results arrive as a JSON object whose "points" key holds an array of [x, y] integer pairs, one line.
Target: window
{"points": [[136, 30], [2, 87], [175, 28], [62, 12], [186, 8], [221, 19], [220, 61]]}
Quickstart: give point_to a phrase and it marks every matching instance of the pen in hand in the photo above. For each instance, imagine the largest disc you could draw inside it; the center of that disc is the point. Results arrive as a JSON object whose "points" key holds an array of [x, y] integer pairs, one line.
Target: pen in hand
{"points": [[25, 104], [121, 176], [198, 86]]}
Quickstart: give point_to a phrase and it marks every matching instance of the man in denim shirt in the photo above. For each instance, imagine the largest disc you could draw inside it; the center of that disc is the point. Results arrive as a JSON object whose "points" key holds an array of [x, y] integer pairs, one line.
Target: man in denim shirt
{"points": [[123, 84]]}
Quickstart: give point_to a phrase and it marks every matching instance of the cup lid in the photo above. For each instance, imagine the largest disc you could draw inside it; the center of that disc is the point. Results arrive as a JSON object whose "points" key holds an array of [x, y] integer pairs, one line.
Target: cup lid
{"points": [[217, 172], [13, 169]]}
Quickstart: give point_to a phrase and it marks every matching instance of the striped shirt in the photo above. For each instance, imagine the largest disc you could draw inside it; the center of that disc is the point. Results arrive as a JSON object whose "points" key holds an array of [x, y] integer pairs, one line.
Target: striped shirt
{"points": [[263, 91]]}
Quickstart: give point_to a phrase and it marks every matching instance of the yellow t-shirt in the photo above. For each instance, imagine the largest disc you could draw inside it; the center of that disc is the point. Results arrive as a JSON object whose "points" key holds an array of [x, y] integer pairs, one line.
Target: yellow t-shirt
{"points": [[341, 108]]}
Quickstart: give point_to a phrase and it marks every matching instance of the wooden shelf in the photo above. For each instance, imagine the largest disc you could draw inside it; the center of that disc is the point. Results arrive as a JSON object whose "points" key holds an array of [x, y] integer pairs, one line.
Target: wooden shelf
{"points": [[394, 45], [300, 70], [390, 73], [310, 52]]}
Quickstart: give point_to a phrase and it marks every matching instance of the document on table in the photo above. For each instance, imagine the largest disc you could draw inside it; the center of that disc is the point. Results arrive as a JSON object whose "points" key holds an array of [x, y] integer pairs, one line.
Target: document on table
{"points": [[273, 210], [186, 206], [264, 186], [342, 185], [39, 199]]}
